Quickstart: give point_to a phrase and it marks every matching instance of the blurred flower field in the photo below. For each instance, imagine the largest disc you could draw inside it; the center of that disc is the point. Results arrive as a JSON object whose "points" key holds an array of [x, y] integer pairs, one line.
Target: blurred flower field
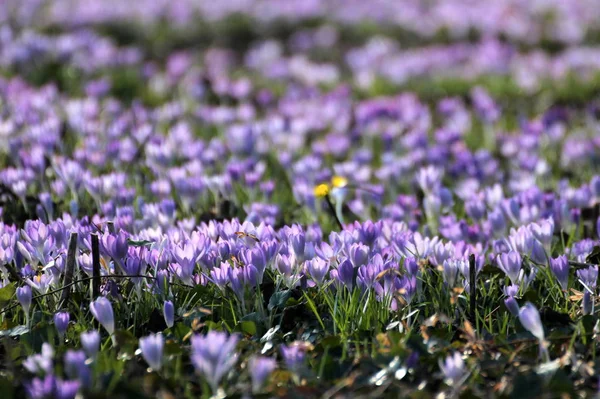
{"points": [[299, 199]]}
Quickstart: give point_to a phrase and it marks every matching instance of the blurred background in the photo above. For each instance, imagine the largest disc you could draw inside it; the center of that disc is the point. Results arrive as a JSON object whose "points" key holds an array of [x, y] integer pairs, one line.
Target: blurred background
{"points": [[147, 48]]}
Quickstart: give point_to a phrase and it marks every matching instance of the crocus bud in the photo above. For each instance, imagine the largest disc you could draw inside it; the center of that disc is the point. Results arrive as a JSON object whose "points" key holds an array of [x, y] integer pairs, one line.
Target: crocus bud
{"points": [[450, 271], [24, 297], [152, 350], [345, 274], [169, 313], [510, 263], [61, 321], [560, 269], [453, 368], [103, 312], [260, 369], [530, 319], [512, 306], [90, 341]]}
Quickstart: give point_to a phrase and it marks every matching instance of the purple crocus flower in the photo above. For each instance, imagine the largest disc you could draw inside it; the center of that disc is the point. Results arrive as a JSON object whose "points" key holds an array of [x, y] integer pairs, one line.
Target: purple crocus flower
{"points": [[298, 242], [441, 252], [293, 356], [317, 268], [588, 277], [283, 263], [256, 257], [475, 208], [368, 232], [220, 275], [367, 276], [345, 274], [359, 254], [530, 319], [102, 310], [90, 341], [161, 284], [76, 367], [497, 222], [510, 302], [511, 290], [213, 355], [185, 259], [453, 368], [560, 268], [450, 270], [260, 369], [135, 266], [510, 264], [152, 350], [407, 286], [429, 178], [61, 321], [241, 278], [543, 232], [24, 297], [115, 246], [42, 362], [169, 313], [51, 387], [512, 305]]}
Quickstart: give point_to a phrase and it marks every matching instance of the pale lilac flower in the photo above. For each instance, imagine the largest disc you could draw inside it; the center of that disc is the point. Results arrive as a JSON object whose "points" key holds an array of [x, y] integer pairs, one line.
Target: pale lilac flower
{"points": [[76, 367], [511, 290], [560, 268], [90, 341], [453, 368], [51, 387], [24, 297], [102, 310], [344, 274], [293, 356], [588, 277], [429, 178], [451, 268], [260, 369], [510, 264], [152, 350], [169, 313], [213, 355], [317, 268], [543, 232], [512, 305], [530, 319], [41, 363], [41, 283], [61, 321]]}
